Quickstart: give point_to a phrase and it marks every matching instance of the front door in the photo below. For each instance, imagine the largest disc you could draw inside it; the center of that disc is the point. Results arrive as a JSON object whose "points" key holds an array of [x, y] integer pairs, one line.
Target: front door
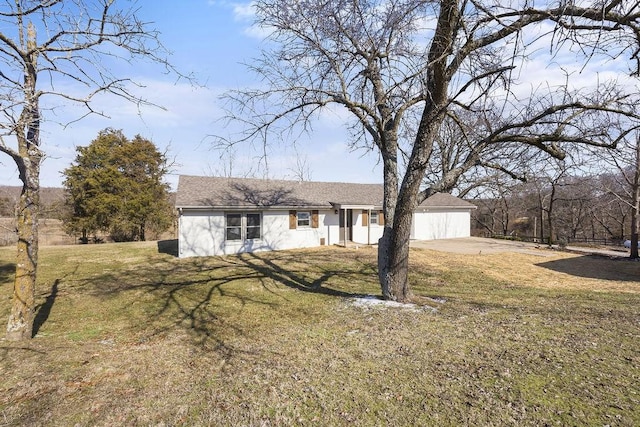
{"points": [[346, 224]]}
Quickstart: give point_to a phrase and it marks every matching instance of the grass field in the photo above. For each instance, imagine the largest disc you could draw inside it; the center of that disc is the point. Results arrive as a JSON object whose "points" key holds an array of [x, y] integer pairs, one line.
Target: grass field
{"points": [[130, 336]]}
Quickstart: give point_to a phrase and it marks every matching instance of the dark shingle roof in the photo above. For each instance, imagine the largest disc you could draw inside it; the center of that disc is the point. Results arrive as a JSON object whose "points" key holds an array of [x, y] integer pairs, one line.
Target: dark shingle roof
{"points": [[204, 192], [445, 200], [200, 191]]}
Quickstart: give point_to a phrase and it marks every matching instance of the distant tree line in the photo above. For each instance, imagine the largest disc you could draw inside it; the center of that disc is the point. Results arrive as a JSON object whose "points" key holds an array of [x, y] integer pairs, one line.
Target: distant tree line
{"points": [[6, 209], [556, 208], [51, 200]]}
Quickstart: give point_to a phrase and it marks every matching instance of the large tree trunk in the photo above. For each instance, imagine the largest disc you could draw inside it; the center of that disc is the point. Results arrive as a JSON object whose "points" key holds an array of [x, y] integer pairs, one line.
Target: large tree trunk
{"points": [[390, 171], [393, 250], [20, 325], [399, 204], [28, 158], [634, 224]]}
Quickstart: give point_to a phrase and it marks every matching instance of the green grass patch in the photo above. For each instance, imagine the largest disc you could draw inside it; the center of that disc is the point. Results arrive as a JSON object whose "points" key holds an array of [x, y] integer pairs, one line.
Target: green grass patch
{"points": [[130, 336]]}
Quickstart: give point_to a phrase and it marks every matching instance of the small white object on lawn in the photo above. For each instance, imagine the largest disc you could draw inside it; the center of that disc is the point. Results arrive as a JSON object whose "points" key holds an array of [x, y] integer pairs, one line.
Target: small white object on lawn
{"points": [[373, 301]]}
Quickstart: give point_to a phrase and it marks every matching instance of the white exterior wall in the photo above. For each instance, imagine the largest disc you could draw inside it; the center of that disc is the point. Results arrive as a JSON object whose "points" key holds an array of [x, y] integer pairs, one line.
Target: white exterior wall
{"points": [[202, 233], [366, 235], [440, 224], [277, 235], [329, 222]]}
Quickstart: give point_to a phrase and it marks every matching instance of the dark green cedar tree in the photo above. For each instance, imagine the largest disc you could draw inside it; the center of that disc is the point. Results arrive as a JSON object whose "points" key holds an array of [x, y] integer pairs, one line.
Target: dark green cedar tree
{"points": [[115, 186]]}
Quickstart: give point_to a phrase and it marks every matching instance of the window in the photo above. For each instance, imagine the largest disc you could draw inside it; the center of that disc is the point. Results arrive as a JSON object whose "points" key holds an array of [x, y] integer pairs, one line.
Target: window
{"points": [[253, 226], [242, 226], [234, 226], [304, 219], [373, 217]]}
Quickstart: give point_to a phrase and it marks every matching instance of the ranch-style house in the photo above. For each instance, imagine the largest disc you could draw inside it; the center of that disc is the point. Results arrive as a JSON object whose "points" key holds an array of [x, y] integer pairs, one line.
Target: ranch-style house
{"points": [[219, 216]]}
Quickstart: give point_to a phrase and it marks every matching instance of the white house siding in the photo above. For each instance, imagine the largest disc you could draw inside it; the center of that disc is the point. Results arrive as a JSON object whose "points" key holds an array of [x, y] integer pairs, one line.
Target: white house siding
{"points": [[277, 235], [202, 233], [329, 223], [440, 224], [365, 234], [375, 233]]}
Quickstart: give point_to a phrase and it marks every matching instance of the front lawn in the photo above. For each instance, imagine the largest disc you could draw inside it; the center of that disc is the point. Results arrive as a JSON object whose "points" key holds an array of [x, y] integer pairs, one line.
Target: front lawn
{"points": [[130, 336]]}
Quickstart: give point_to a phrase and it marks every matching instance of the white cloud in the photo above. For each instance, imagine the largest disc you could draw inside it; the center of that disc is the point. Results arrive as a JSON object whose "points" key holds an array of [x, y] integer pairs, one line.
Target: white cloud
{"points": [[244, 12]]}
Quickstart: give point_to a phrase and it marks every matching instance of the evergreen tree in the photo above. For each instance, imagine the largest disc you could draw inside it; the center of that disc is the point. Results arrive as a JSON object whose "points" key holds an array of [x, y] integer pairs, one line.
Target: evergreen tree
{"points": [[115, 186]]}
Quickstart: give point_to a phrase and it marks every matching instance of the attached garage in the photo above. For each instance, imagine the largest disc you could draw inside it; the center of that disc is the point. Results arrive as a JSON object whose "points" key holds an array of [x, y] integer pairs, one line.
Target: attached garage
{"points": [[442, 216]]}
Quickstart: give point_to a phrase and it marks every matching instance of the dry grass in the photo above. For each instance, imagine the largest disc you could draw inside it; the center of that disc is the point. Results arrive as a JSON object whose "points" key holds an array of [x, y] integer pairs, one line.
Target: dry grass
{"points": [[51, 232], [129, 336]]}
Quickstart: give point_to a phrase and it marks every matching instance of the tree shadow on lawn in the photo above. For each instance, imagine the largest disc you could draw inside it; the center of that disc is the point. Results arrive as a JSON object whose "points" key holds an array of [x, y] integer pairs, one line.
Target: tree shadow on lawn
{"points": [[7, 271], [186, 292], [44, 310], [194, 293], [169, 247], [280, 269], [597, 267]]}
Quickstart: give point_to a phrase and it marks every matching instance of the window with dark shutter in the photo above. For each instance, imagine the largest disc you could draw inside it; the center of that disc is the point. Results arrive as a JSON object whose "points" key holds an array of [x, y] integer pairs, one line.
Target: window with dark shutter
{"points": [[304, 219], [373, 220]]}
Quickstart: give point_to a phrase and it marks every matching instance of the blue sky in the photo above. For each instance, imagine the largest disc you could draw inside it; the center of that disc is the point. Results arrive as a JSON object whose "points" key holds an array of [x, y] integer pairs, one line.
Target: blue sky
{"points": [[212, 39]]}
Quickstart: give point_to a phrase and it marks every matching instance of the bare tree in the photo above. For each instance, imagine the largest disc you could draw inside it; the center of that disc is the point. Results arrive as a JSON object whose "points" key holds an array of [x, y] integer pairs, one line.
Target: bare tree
{"points": [[47, 46], [301, 171], [552, 181], [396, 62], [575, 200], [634, 179], [625, 185], [609, 214], [495, 200]]}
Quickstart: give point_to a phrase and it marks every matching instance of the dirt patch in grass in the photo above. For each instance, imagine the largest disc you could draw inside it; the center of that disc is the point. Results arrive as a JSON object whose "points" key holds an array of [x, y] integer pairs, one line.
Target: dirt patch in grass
{"points": [[137, 337]]}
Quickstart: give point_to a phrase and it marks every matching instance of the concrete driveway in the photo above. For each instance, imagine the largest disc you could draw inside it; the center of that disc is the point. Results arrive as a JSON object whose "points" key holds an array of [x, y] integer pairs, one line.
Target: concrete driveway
{"points": [[480, 245]]}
